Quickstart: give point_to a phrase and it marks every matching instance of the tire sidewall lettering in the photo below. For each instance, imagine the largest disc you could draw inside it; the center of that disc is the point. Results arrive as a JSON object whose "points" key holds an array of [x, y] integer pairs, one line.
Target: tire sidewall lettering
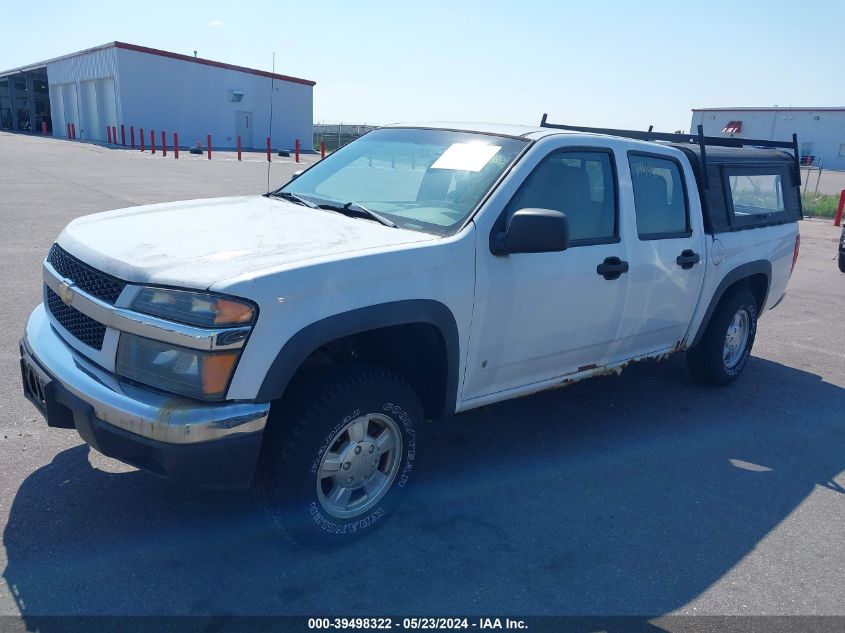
{"points": [[410, 452], [333, 525], [357, 524]]}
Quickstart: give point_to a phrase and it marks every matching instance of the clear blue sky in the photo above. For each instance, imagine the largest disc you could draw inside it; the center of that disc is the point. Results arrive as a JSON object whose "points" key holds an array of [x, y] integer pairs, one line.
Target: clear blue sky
{"points": [[596, 62]]}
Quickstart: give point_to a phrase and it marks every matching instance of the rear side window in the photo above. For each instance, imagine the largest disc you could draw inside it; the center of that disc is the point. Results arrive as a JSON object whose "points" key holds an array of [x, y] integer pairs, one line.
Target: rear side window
{"points": [[755, 196], [581, 183], [659, 196]]}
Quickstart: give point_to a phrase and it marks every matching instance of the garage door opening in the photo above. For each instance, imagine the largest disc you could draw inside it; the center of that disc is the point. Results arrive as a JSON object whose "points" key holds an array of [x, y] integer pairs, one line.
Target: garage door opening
{"points": [[25, 101]]}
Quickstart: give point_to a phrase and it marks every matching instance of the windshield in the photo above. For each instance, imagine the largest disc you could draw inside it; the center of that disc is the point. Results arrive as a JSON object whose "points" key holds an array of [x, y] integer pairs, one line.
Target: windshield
{"points": [[424, 180]]}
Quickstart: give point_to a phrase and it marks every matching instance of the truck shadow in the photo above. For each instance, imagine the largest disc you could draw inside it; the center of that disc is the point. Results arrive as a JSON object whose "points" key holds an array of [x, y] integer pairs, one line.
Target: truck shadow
{"points": [[624, 495]]}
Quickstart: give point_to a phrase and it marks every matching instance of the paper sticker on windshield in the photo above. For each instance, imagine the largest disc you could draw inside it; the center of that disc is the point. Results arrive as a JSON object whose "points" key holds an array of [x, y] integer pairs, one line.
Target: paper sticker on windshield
{"points": [[466, 156]]}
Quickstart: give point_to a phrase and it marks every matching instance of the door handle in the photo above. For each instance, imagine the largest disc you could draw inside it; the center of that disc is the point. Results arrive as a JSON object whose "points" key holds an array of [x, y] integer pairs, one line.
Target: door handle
{"points": [[612, 268], [688, 258]]}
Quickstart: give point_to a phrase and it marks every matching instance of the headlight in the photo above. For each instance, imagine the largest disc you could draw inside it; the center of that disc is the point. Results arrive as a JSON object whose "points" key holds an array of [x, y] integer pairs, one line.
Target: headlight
{"points": [[191, 372], [193, 308]]}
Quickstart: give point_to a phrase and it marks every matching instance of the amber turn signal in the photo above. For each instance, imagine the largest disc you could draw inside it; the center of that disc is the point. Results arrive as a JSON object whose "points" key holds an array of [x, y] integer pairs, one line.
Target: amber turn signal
{"points": [[233, 312], [216, 371]]}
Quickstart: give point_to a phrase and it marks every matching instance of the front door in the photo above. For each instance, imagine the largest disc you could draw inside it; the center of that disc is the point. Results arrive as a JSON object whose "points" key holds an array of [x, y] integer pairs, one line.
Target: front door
{"points": [[243, 128], [540, 316]]}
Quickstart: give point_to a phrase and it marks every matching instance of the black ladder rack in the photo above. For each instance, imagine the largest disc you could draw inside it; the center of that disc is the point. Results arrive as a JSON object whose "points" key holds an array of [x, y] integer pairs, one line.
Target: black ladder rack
{"points": [[693, 139]]}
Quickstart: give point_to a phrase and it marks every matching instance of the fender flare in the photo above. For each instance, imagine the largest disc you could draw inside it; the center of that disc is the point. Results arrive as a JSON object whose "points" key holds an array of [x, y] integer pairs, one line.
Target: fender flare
{"points": [[310, 338], [760, 266]]}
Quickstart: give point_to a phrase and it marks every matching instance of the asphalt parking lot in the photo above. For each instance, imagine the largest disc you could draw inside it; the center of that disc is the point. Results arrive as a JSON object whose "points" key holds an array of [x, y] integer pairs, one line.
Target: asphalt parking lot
{"points": [[644, 493]]}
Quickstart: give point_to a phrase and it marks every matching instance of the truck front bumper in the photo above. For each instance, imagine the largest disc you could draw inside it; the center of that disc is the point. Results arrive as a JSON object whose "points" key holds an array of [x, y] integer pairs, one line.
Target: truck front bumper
{"points": [[211, 444]]}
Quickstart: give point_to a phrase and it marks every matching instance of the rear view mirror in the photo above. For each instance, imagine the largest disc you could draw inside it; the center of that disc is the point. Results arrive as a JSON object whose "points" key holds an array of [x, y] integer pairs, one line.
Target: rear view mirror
{"points": [[533, 231]]}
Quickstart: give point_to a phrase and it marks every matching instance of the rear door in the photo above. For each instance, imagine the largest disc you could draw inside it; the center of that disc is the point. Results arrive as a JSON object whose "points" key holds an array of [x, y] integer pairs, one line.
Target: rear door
{"points": [[666, 250]]}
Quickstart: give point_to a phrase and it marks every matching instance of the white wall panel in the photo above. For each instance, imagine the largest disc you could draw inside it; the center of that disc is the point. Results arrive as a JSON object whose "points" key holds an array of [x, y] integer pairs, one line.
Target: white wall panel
{"points": [[824, 129], [193, 99], [100, 65], [92, 65], [157, 92]]}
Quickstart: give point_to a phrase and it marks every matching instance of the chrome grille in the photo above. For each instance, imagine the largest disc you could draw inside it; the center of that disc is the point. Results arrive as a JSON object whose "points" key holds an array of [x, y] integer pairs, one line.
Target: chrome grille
{"points": [[79, 325], [90, 280]]}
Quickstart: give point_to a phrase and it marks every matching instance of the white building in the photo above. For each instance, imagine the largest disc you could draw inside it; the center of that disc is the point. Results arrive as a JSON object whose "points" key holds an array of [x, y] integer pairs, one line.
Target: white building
{"points": [[136, 87], [821, 131]]}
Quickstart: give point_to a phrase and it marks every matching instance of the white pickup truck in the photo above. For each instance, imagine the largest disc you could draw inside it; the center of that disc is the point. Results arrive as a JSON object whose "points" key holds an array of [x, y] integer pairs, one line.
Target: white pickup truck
{"points": [[297, 341]]}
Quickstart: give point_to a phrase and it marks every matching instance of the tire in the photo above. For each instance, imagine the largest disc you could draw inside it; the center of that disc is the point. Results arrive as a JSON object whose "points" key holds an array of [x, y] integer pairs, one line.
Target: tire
{"points": [[721, 354], [842, 262], [318, 432]]}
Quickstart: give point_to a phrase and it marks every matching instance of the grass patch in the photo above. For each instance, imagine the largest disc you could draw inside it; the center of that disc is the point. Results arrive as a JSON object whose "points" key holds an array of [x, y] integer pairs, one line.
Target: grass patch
{"points": [[819, 206]]}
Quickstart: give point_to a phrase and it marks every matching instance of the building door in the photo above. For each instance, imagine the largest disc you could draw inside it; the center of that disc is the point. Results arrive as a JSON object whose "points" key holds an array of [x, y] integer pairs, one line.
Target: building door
{"points": [[90, 120], [243, 127], [106, 104], [70, 105]]}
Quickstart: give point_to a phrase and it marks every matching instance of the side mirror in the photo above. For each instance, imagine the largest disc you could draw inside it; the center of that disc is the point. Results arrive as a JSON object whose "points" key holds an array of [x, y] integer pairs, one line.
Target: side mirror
{"points": [[297, 174], [533, 231]]}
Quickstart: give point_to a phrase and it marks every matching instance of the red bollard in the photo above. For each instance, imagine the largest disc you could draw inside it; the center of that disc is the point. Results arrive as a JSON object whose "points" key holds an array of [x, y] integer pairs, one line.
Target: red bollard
{"points": [[175, 145], [68, 130], [108, 134], [43, 127], [141, 130], [122, 135], [239, 148], [114, 134], [73, 131], [208, 138], [837, 219], [163, 143], [132, 135], [152, 142], [322, 149], [296, 145], [268, 149]]}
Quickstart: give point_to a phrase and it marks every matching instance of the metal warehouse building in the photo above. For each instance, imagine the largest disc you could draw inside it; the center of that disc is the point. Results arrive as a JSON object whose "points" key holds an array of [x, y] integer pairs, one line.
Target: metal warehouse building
{"points": [[821, 131], [124, 84]]}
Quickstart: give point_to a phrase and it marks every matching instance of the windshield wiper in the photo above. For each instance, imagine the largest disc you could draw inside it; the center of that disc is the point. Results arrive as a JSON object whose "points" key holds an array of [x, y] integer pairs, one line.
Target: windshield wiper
{"points": [[349, 207], [292, 197], [354, 207]]}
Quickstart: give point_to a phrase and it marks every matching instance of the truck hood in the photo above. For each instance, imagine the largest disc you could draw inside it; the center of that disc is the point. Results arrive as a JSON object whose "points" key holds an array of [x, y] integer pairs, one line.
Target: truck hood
{"points": [[197, 243]]}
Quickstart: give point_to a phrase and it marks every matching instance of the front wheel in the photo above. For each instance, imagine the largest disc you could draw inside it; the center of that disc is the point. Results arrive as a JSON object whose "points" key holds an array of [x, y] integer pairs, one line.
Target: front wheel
{"points": [[842, 262], [724, 348], [340, 454]]}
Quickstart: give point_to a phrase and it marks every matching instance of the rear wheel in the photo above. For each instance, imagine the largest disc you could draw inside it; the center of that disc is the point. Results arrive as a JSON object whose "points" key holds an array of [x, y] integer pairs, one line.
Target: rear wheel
{"points": [[724, 348], [842, 262], [339, 455]]}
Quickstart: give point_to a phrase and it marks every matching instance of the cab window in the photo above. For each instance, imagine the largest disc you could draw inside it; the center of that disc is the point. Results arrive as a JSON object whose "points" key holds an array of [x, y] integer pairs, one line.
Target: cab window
{"points": [[659, 197], [581, 184]]}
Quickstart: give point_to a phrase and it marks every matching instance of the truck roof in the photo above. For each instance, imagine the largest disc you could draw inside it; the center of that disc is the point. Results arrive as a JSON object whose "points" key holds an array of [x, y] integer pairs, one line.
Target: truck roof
{"points": [[501, 129], [728, 154], [527, 132]]}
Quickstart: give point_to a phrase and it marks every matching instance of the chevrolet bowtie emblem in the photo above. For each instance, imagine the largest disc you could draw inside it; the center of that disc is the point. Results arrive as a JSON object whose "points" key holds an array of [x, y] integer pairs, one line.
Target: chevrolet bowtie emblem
{"points": [[65, 292]]}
